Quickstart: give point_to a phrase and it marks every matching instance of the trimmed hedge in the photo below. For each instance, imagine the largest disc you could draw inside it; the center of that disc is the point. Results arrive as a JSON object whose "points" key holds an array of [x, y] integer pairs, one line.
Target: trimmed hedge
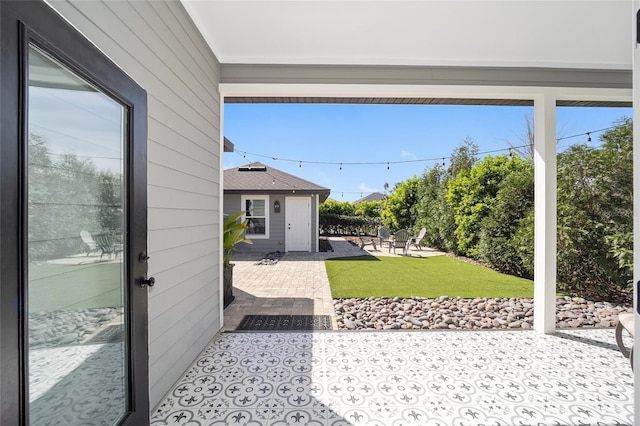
{"points": [[333, 224]]}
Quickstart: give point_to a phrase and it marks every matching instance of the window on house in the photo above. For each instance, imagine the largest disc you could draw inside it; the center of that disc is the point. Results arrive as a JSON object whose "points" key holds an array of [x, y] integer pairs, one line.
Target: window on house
{"points": [[257, 212]]}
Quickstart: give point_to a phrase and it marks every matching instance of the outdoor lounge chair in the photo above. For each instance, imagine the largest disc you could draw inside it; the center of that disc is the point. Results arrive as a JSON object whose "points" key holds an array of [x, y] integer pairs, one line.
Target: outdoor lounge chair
{"points": [[416, 240], [107, 245], [384, 236], [625, 322], [88, 240], [365, 240], [401, 239]]}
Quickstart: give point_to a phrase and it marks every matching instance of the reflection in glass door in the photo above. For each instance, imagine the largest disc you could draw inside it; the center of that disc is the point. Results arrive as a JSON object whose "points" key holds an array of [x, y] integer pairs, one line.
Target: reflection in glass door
{"points": [[77, 350]]}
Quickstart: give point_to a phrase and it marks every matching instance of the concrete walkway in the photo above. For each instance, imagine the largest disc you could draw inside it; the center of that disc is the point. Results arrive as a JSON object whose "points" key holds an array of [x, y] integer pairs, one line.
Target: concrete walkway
{"points": [[296, 285], [412, 252]]}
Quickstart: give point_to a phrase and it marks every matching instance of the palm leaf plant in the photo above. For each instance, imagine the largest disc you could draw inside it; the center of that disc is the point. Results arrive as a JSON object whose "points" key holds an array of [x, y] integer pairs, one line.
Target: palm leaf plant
{"points": [[233, 234]]}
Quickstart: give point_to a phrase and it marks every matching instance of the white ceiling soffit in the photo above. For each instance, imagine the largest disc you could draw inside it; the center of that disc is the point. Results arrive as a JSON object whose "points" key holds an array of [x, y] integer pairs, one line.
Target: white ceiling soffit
{"points": [[490, 33]]}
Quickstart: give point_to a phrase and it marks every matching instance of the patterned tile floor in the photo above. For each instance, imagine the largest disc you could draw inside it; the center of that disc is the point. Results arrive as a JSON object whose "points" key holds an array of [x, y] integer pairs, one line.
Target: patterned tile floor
{"points": [[76, 385], [405, 378]]}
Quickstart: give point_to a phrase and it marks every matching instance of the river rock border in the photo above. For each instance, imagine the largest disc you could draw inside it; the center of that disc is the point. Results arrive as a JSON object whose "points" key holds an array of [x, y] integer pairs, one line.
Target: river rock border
{"points": [[72, 326], [468, 314]]}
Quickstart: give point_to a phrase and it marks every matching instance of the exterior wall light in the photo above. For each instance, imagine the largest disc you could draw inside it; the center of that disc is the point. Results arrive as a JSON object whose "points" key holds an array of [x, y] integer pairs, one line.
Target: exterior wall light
{"points": [[276, 206]]}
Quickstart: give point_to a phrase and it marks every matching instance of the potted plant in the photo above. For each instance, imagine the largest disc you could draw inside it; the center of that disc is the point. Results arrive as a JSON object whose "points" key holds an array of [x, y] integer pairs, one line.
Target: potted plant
{"points": [[233, 234]]}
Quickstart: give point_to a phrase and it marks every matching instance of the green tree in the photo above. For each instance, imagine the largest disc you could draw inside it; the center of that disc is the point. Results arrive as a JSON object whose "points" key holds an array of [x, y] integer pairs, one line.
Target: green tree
{"points": [[62, 200], [472, 195], [595, 214], [462, 158], [369, 208], [433, 210], [109, 214], [523, 243], [513, 202], [428, 210], [400, 212]]}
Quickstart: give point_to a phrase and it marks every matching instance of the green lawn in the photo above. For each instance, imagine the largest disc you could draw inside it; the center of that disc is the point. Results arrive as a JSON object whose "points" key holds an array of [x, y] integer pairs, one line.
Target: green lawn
{"points": [[367, 276]]}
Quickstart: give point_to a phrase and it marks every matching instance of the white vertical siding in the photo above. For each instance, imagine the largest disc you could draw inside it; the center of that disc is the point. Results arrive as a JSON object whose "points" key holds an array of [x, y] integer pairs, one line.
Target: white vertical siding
{"points": [[157, 44]]}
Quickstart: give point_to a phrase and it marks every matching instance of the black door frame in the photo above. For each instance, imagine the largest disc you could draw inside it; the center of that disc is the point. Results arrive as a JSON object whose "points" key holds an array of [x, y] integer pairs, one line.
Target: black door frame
{"points": [[21, 23]]}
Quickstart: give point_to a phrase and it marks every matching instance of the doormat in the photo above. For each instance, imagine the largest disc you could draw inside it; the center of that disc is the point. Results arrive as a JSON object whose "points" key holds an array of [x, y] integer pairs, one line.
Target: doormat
{"points": [[285, 322], [270, 258]]}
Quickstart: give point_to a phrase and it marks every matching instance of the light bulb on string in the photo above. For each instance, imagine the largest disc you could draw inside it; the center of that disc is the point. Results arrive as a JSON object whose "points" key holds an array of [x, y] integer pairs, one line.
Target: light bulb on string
{"points": [[341, 164]]}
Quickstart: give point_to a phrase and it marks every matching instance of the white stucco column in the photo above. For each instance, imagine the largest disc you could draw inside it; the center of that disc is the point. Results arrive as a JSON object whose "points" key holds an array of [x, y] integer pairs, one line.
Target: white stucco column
{"points": [[317, 197], [545, 212], [221, 215]]}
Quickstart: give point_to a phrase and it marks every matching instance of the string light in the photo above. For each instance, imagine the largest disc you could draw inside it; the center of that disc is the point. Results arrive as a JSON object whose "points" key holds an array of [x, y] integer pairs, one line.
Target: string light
{"points": [[420, 160], [371, 163], [586, 133]]}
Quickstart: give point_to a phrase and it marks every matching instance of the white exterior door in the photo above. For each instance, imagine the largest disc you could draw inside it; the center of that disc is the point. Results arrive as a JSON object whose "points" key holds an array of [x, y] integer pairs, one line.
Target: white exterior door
{"points": [[298, 224]]}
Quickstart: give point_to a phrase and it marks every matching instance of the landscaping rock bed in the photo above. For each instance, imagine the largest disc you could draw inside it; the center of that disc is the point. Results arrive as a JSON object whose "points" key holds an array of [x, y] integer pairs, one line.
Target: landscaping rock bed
{"points": [[468, 314], [68, 326]]}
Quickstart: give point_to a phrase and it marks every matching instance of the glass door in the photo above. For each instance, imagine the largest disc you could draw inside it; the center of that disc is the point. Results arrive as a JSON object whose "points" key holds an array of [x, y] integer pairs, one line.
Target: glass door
{"points": [[73, 219], [76, 180]]}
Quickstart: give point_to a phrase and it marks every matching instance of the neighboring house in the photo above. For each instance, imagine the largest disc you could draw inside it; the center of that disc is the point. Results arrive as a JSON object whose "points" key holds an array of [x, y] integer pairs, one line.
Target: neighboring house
{"points": [[374, 196], [164, 71], [282, 209]]}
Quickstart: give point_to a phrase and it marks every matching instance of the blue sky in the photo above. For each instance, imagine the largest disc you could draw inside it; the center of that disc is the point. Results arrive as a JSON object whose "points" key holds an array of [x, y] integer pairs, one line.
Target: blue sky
{"points": [[381, 133]]}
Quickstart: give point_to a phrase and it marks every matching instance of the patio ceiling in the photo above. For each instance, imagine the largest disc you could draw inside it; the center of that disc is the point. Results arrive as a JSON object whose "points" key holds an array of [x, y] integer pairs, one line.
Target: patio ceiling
{"points": [[478, 52], [413, 101], [572, 34]]}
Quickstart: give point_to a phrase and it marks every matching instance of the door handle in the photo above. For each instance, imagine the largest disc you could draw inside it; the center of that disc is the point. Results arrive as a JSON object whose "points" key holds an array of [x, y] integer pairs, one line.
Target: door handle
{"points": [[638, 288], [143, 257], [144, 281]]}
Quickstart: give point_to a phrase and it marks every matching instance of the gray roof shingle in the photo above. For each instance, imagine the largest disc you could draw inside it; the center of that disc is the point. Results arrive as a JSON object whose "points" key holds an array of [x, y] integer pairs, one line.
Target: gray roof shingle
{"points": [[259, 178], [374, 196]]}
